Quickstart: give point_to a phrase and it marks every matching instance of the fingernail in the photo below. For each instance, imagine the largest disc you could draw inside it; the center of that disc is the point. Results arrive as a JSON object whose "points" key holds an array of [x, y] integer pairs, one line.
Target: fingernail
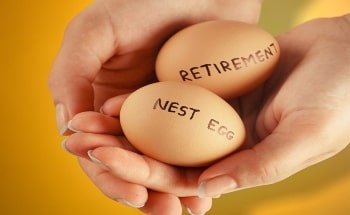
{"points": [[63, 145], [216, 186], [191, 213], [61, 118], [127, 203], [216, 197], [96, 161], [71, 128], [101, 110]]}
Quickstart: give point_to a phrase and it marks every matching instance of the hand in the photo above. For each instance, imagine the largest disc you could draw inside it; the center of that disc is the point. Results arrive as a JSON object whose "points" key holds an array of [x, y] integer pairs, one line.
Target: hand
{"points": [[299, 117], [109, 49]]}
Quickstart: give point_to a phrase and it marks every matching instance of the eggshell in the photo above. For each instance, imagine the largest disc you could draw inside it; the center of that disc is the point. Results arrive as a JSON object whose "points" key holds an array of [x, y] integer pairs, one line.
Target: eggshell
{"points": [[229, 58], [181, 124]]}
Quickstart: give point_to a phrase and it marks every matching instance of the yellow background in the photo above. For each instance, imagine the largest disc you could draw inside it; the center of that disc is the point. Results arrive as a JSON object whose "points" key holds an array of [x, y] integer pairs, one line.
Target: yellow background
{"points": [[38, 177]]}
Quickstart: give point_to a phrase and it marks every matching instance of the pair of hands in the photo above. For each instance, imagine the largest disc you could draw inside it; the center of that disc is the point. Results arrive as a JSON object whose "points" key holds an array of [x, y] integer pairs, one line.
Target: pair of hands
{"points": [[299, 117]]}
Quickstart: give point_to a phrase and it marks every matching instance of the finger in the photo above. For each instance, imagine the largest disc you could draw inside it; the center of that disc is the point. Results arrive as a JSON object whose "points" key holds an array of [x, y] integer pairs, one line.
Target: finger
{"points": [[195, 205], [300, 140], [80, 143], [88, 42], [140, 169], [94, 122], [162, 204], [129, 194], [112, 106]]}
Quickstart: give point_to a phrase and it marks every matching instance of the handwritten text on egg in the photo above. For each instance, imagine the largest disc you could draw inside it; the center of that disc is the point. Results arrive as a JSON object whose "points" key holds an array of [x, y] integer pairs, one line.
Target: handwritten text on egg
{"points": [[183, 110], [236, 63]]}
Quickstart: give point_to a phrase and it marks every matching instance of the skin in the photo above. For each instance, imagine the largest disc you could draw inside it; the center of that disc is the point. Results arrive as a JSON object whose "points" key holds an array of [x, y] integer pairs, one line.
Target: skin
{"points": [[299, 117]]}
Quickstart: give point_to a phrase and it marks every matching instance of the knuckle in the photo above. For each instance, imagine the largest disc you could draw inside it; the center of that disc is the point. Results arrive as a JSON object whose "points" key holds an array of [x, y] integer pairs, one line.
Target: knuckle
{"points": [[264, 171], [268, 173]]}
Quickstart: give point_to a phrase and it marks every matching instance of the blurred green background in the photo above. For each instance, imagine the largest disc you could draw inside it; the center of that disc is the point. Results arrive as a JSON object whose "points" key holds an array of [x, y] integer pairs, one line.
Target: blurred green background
{"points": [[38, 177]]}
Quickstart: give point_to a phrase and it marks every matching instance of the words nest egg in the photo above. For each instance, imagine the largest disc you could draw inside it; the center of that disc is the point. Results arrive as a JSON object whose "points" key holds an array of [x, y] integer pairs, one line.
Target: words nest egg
{"points": [[181, 124]]}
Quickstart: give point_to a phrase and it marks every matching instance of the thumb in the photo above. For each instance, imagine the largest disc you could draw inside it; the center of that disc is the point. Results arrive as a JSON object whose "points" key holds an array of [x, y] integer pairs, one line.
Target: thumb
{"points": [[70, 82], [84, 49], [296, 143], [71, 96]]}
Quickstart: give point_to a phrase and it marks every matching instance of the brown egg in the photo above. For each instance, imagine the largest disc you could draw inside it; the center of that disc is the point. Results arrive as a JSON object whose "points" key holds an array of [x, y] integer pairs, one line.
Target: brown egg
{"points": [[181, 124], [229, 58]]}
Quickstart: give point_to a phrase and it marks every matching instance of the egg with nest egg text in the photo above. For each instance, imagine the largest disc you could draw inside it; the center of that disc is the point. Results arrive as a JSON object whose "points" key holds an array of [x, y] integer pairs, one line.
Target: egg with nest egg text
{"points": [[181, 124], [229, 58]]}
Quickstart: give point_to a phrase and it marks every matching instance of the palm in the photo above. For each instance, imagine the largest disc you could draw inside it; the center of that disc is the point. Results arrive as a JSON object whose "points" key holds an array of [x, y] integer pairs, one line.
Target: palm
{"points": [[115, 79]]}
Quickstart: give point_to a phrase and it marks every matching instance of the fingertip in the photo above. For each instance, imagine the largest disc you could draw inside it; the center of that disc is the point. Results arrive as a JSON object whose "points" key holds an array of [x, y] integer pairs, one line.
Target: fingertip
{"points": [[197, 206], [62, 119], [113, 106], [193, 213], [162, 203], [216, 186], [64, 145], [70, 127], [94, 122], [130, 204], [102, 111]]}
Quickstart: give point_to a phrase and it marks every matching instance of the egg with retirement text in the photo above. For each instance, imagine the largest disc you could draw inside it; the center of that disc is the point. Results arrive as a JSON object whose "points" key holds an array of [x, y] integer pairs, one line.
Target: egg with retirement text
{"points": [[229, 58], [181, 124]]}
